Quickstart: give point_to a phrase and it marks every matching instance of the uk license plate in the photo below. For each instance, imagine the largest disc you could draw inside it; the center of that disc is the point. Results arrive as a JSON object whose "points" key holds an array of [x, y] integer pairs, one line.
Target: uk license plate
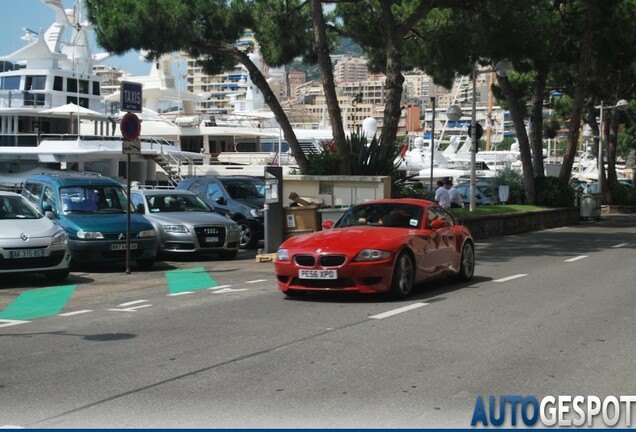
{"points": [[122, 246], [211, 239], [27, 253], [318, 274]]}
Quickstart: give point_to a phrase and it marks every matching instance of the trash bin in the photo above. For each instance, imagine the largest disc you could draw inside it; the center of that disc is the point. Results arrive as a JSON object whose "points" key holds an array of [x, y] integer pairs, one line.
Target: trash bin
{"points": [[300, 220], [590, 206]]}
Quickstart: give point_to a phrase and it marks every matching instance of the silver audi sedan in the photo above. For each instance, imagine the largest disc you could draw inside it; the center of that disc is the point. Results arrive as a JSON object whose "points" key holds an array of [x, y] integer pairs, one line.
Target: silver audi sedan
{"points": [[31, 242], [186, 224]]}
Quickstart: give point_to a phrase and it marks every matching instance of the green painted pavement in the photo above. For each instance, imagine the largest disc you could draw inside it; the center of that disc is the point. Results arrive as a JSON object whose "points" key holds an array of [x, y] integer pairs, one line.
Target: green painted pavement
{"points": [[38, 303], [189, 280]]}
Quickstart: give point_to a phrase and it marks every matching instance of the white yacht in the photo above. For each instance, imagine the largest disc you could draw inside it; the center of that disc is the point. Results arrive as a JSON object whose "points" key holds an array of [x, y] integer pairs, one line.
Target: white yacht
{"points": [[52, 114], [241, 142]]}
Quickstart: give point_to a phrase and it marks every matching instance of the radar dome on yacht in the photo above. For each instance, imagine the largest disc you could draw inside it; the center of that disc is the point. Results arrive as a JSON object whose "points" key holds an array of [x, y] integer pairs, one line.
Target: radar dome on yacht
{"points": [[369, 126], [418, 142]]}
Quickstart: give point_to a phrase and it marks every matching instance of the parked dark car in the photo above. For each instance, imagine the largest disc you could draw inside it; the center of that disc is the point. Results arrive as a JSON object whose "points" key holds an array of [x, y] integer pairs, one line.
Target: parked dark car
{"points": [[241, 198]]}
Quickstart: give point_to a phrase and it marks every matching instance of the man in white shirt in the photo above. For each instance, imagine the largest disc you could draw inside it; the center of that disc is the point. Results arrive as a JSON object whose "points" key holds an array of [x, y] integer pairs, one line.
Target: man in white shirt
{"points": [[455, 196], [442, 197]]}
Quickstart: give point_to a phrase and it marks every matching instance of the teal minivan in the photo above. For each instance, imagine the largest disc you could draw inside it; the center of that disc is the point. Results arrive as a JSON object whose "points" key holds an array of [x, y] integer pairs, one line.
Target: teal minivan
{"points": [[92, 210]]}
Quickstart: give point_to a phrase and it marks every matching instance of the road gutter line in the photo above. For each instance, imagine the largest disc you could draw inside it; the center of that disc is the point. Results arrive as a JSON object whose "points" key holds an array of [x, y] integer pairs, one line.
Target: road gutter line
{"points": [[398, 311]]}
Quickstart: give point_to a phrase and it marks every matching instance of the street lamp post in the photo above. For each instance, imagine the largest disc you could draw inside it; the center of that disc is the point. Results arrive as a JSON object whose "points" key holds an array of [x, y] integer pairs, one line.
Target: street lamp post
{"points": [[432, 139]]}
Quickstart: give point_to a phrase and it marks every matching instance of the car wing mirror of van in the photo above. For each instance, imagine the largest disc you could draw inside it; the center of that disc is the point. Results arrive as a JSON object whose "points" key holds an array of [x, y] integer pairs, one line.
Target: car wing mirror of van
{"points": [[47, 208], [328, 224], [49, 214], [141, 209], [221, 201]]}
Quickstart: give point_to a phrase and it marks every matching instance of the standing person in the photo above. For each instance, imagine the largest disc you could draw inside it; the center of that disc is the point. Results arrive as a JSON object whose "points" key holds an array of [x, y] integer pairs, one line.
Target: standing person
{"points": [[442, 197], [455, 196]]}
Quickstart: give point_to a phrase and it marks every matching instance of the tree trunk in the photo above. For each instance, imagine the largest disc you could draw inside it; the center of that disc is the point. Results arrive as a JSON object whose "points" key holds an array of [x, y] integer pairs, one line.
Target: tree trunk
{"points": [[516, 114], [393, 107], [536, 124], [577, 108], [331, 98], [270, 99]]}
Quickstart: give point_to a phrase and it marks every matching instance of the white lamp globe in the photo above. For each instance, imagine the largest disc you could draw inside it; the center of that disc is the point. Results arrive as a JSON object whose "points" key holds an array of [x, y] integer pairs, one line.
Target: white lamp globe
{"points": [[369, 126]]}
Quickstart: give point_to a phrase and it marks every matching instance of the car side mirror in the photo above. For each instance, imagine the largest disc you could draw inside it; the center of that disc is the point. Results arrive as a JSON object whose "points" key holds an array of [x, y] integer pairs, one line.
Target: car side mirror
{"points": [[49, 214], [328, 224], [141, 209], [438, 223], [221, 201], [47, 208]]}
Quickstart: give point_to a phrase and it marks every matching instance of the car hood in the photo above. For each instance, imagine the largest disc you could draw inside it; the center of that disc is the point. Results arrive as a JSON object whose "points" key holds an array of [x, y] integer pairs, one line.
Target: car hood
{"points": [[255, 203], [13, 228], [349, 240], [189, 218], [104, 223]]}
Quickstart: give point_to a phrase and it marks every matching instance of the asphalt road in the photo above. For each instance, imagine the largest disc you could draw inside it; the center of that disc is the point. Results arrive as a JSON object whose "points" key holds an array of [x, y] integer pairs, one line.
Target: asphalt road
{"points": [[547, 313]]}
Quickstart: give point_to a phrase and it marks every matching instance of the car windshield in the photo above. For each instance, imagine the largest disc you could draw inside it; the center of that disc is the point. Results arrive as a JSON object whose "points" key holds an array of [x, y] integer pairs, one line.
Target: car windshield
{"points": [[16, 207], [245, 188], [93, 199], [176, 203], [382, 214]]}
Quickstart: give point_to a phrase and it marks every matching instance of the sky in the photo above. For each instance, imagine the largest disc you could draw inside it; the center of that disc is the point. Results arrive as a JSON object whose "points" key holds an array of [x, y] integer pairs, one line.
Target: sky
{"points": [[35, 15]]}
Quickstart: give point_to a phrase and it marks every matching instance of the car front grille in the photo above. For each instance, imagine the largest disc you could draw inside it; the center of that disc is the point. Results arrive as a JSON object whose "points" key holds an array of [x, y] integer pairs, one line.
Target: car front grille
{"points": [[305, 260], [120, 236], [210, 236], [332, 260], [323, 260]]}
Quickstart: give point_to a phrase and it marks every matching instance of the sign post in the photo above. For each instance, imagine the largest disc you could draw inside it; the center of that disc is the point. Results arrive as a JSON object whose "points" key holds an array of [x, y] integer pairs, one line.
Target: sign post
{"points": [[130, 125]]}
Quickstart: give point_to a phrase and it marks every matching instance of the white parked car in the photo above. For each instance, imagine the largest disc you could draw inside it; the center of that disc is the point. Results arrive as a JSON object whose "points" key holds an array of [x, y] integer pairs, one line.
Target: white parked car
{"points": [[29, 241]]}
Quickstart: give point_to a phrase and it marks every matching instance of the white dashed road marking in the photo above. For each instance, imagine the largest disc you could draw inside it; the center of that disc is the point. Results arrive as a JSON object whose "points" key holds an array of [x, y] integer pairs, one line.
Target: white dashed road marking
{"points": [[256, 281], [226, 290], [580, 257], [620, 245], [220, 287], [398, 311], [9, 323], [506, 279], [180, 293], [67, 314], [122, 307]]}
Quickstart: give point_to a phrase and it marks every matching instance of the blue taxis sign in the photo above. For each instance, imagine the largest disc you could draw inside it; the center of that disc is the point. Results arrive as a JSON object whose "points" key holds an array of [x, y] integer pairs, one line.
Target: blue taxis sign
{"points": [[130, 96]]}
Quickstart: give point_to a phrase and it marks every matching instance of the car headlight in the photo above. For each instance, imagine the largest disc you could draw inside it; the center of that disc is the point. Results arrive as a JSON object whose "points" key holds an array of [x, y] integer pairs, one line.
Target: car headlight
{"points": [[282, 255], [90, 235], [255, 213], [175, 229], [234, 227], [59, 238], [372, 255], [147, 233]]}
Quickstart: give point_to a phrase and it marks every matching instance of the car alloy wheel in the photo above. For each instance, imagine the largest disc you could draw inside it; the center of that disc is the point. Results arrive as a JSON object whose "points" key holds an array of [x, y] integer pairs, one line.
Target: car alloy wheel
{"points": [[403, 276], [247, 239], [467, 262]]}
